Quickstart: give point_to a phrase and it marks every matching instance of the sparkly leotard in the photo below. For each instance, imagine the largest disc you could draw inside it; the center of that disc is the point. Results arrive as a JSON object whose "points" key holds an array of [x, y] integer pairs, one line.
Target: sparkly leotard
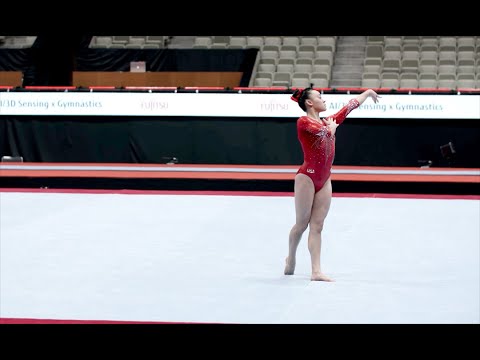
{"points": [[318, 145]]}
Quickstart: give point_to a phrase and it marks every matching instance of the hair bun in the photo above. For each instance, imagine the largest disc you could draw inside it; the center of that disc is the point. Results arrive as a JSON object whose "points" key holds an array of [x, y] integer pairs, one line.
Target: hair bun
{"points": [[296, 95]]}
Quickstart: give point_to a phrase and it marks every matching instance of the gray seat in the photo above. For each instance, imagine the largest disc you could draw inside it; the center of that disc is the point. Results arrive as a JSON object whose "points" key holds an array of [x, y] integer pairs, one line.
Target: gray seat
{"points": [[447, 81], [237, 41], [255, 41], [320, 79], [282, 79], [272, 40], [300, 79], [372, 65], [391, 65], [374, 51], [466, 66], [262, 82], [427, 80], [466, 80], [370, 83], [428, 66], [408, 80]]}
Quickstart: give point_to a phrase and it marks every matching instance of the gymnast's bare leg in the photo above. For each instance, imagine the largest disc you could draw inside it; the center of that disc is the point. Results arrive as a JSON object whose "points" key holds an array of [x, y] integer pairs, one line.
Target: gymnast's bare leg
{"points": [[320, 208], [310, 208], [304, 195]]}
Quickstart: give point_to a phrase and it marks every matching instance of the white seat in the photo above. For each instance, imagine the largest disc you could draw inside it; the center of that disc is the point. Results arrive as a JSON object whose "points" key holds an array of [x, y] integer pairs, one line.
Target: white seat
{"points": [[267, 67], [268, 54], [300, 83], [262, 82], [156, 39], [287, 54], [120, 39], [272, 40], [291, 40], [389, 83], [202, 41], [281, 67], [431, 40], [306, 51], [102, 41], [135, 40], [447, 40], [327, 40], [411, 53], [371, 83], [238, 41], [309, 40], [300, 79], [447, 55], [265, 75], [393, 40], [411, 39], [303, 68], [465, 40], [255, 41]]}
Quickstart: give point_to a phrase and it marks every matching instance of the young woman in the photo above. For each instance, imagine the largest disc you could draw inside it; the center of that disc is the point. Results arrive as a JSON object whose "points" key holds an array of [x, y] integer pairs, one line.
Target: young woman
{"points": [[313, 186]]}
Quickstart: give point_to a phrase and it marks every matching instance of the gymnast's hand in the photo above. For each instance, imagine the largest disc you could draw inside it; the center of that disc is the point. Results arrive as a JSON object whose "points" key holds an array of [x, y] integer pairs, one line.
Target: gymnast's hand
{"points": [[373, 95], [331, 124]]}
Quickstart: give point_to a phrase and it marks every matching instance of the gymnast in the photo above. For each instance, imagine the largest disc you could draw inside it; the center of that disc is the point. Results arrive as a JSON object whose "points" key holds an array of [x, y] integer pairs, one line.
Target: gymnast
{"points": [[313, 186]]}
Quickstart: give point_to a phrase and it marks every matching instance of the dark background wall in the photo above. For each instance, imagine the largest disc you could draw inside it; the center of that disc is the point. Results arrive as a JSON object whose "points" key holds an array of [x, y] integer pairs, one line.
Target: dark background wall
{"points": [[206, 140]]}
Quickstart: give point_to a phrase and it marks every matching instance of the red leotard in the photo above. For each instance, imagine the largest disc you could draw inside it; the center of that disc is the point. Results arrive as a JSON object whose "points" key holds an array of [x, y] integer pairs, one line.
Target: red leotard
{"points": [[318, 145]]}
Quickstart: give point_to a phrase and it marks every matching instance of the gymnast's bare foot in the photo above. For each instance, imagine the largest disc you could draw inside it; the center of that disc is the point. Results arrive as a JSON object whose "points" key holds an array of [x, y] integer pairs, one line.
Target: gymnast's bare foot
{"points": [[289, 267], [317, 276]]}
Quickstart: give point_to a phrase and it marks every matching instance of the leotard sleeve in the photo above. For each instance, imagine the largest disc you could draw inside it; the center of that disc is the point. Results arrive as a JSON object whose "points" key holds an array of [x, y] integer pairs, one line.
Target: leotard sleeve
{"points": [[344, 111], [313, 127]]}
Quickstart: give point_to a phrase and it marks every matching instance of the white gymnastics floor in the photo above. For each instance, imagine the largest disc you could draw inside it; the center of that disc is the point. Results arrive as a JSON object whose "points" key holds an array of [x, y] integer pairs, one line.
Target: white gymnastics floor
{"points": [[220, 258]]}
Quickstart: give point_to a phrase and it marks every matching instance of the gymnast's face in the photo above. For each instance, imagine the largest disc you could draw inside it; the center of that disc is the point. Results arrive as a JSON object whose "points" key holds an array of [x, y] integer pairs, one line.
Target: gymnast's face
{"points": [[316, 102]]}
